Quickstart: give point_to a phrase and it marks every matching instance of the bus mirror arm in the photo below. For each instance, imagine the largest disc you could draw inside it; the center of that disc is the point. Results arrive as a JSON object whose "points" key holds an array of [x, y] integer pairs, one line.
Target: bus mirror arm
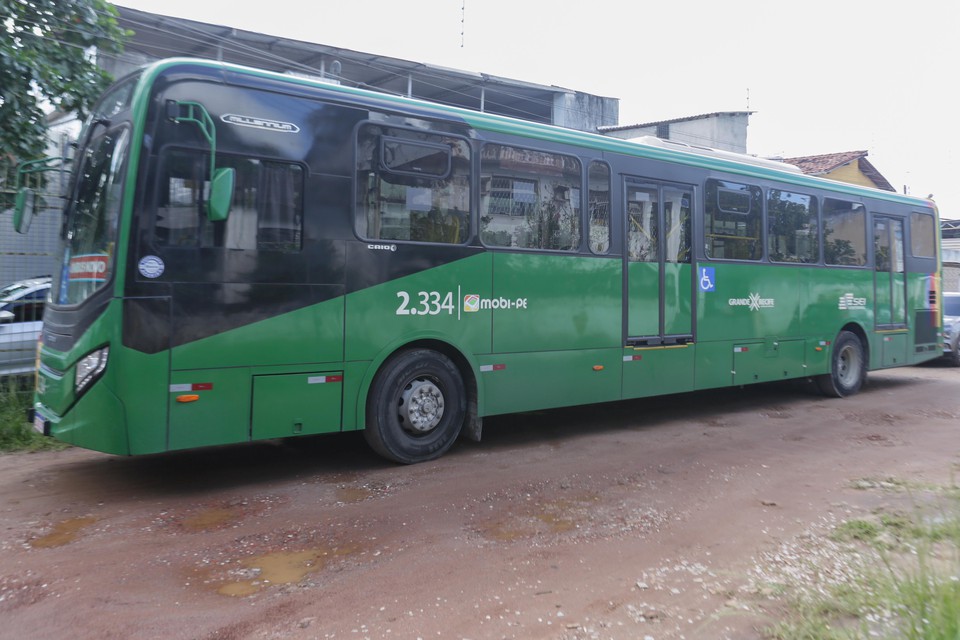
{"points": [[25, 205], [221, 180]]}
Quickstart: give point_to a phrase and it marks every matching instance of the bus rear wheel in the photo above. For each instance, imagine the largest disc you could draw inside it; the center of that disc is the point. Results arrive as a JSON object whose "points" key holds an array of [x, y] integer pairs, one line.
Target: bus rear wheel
{"points": [[848, 367], [416, 407]]}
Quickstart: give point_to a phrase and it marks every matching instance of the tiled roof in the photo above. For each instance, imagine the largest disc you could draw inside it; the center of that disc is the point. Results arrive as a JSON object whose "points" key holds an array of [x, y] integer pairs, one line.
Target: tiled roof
{"points": [[827, 162]]}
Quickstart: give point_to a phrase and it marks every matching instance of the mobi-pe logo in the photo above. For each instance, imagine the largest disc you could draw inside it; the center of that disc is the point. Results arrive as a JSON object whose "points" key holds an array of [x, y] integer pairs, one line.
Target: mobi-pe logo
{"points": [[471, 303], [754, 302], [260, 123]]}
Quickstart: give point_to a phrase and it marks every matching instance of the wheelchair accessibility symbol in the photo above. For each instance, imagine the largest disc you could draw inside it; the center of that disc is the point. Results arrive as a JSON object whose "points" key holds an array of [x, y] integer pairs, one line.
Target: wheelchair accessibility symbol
{"points": [[707, 281]]}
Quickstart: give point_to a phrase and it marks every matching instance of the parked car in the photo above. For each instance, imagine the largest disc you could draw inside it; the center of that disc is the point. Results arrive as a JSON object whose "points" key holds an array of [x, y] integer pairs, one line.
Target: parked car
{"points": [[951, 327], [21, 318]]}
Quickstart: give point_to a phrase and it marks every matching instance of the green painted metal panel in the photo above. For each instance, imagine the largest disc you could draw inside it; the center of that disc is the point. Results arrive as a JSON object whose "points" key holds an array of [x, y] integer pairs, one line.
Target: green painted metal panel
{"points": [[643, 295], [148, 387], [296, 404], [767, 361], [220, 415], [310, 335], [817, 356], [677, 297], [894, 347], [658, 370], [714, 365], [882, 300], [556, 302], [527, 381], [95, 422], [451, 303]]}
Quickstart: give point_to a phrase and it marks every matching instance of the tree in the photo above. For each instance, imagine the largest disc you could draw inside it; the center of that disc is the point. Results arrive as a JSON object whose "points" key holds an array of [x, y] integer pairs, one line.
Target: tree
{"points": [[46, 57]]}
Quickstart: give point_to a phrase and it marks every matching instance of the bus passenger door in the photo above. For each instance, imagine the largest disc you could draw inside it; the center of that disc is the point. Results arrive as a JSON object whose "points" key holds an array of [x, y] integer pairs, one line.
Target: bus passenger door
{"points": [[890, 294], [658, 304]]}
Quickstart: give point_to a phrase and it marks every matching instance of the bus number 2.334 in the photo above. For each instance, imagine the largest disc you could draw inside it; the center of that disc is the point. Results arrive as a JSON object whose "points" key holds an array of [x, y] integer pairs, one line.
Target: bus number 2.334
{"points": [[430, 303]]}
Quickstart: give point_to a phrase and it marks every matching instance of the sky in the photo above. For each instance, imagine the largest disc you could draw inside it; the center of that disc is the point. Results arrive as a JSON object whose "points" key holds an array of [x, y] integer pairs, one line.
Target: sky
{"points": [[821, 76]]}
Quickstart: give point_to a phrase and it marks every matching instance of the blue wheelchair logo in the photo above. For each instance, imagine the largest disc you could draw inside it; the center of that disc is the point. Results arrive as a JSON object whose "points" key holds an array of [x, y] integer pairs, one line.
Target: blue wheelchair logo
{"points": [[707, 281]]}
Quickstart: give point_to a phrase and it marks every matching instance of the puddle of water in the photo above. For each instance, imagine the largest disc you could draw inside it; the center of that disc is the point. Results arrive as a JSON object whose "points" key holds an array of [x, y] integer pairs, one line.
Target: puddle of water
{"points": [[210, 519], [353, 494], [502, 532], [556, 523], [282, 567], [552, 517], [63, 532]]}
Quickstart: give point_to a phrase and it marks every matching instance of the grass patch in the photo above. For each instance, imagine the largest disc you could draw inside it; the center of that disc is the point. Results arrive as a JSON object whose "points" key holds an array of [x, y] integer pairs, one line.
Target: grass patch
{"points": [[902, 579], [16, 434]]}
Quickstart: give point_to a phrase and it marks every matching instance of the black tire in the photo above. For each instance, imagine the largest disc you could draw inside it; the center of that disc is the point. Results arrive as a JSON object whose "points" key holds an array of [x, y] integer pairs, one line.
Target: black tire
{"points": [[416, 407], [954, 357], [848, 367]]}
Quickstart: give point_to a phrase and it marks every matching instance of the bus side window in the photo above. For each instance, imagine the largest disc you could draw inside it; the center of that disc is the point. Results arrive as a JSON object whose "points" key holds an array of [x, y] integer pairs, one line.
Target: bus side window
{"points": [[598, 203], [412, 185], [923, 239], [266, 214], [844, 233], [733, 220], [792, 227], [529, 199]]}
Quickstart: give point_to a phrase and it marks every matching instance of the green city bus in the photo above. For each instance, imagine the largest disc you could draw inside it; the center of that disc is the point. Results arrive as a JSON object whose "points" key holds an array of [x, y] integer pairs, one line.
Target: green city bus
{"points": [[249, 255]]}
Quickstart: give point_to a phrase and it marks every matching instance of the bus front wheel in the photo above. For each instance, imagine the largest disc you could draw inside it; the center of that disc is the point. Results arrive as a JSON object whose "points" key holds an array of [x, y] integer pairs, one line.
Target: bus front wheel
{"points": [[848, 367], [416, 407]]}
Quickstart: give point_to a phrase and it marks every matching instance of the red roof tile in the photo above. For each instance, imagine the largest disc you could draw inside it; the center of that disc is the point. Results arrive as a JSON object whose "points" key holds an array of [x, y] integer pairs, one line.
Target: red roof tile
{"points": [[827, 162]]}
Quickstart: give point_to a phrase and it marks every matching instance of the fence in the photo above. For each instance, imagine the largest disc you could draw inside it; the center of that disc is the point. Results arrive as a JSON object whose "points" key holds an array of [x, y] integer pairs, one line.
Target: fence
{"points": [[26, 261]]}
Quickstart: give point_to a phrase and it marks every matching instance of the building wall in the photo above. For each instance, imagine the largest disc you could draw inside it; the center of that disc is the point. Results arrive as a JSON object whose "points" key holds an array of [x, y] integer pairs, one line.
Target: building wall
{"points": [[727, 132], [850, 173], [584, 111]]}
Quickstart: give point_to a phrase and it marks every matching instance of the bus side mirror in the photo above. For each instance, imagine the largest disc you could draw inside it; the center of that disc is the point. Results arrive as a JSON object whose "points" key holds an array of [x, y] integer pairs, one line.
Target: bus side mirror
{"points": [[6, 316], [24, 209], [221, 194]]}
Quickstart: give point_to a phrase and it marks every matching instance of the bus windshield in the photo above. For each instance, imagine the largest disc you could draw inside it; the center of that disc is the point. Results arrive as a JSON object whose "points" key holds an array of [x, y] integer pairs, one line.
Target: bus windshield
{"points": [[91, 225]]}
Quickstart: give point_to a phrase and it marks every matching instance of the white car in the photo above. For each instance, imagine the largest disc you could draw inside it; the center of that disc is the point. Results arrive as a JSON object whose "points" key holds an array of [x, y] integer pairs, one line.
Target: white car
{"points": [[21, 319], [951, 327]]}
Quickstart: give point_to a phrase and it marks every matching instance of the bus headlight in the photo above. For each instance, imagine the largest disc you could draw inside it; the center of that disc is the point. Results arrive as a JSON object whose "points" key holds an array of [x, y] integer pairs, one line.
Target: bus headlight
{"points": [[90, 367]]}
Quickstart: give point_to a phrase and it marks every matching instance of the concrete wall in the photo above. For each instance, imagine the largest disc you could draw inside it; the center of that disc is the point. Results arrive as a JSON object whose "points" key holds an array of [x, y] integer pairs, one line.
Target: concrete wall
{"points": [[584, 111], [727, 132]]}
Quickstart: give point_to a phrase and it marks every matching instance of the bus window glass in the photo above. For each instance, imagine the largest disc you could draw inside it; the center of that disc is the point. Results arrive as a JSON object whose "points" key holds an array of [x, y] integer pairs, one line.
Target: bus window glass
{"points": [[677, 205], [412, 185], [792, 234], [415, 158], [923, 240], [529, 199], [844, 233], [266, 213], [91, 225], [888, 246], [733, 220], [643, 237], [598, 203]]}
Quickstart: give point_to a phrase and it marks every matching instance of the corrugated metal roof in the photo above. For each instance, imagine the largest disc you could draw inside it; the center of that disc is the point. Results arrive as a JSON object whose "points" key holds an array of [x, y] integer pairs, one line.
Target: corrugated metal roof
{"points": [[157, 36]]}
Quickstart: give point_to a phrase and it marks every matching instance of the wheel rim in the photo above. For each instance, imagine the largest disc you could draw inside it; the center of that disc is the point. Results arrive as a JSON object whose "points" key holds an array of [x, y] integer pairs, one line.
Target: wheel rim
{"points": [[421, 406], [848, 366]]}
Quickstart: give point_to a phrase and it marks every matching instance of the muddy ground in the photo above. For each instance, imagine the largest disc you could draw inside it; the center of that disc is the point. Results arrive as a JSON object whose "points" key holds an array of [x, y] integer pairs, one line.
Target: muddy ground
{"points": [[649, 519]]}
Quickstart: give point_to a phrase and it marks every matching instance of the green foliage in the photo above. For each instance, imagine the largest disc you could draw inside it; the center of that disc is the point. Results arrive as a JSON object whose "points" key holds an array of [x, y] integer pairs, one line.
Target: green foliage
{"points": [[16, 434], [45, 56], [910, 590]]}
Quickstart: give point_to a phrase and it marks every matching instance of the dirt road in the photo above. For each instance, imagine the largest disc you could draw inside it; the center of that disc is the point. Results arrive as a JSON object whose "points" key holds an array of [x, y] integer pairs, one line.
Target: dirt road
{"points": [[647, 519]]}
